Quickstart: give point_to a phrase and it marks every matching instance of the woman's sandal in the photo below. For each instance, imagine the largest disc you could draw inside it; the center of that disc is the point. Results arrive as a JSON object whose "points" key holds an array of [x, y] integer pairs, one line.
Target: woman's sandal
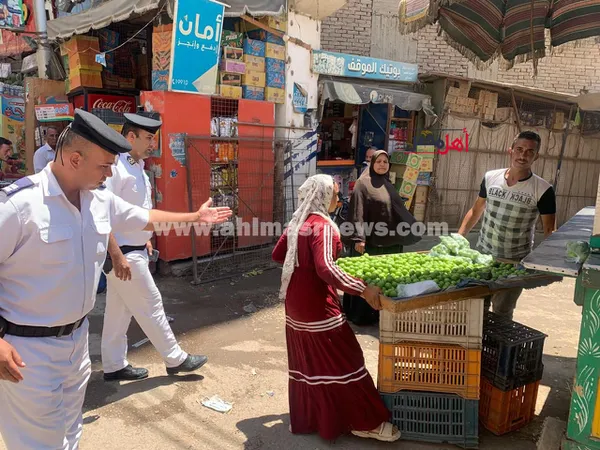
{"points": [[386, 432]]}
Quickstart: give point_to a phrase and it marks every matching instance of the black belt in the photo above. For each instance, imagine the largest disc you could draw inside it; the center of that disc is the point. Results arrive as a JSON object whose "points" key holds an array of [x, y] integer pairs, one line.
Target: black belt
{"points": [[13, 329], [131, 248], [124, 249]]}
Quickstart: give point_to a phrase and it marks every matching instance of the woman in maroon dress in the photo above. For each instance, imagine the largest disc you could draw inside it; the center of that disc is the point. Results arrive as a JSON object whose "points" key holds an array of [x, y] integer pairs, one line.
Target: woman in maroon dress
{"points": [[330, 390]]}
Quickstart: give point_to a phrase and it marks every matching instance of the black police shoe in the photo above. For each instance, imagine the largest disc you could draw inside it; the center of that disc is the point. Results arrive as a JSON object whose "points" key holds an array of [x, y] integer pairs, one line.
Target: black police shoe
{"points": [[128, 373], [192, 362]]}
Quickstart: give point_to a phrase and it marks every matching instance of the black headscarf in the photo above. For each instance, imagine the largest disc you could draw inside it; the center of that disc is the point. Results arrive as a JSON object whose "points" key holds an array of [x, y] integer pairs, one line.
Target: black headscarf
{"points": [[374, 200]]}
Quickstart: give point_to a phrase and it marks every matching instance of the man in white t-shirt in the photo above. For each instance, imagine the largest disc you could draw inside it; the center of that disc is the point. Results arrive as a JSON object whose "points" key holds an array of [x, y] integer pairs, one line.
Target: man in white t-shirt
{"points": [[511, 201], [46, 153]]}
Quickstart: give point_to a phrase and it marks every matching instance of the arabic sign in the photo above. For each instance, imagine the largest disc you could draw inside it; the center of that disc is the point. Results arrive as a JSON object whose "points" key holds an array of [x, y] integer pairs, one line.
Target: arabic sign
{"points": [[300, 99], [195, 47], [425, 142], [54, 112], [343, 65]]}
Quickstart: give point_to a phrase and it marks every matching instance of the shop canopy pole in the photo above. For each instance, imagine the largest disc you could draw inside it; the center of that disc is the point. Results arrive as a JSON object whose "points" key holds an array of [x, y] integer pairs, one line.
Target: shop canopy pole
{"points": [[43, 51]]}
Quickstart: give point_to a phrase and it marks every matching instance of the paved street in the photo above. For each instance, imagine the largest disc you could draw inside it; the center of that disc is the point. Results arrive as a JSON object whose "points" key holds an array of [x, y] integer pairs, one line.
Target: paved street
{"points": [[166, 413]]}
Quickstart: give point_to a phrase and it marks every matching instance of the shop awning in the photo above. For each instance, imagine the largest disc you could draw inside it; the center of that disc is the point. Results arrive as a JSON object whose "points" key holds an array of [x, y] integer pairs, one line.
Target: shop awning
{"points": [[361, 94], [112, 11], [99, 17]]}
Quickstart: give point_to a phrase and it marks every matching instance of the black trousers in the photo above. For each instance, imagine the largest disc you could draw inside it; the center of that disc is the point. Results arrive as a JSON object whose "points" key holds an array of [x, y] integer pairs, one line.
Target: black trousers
{"points": [[356, 308]]}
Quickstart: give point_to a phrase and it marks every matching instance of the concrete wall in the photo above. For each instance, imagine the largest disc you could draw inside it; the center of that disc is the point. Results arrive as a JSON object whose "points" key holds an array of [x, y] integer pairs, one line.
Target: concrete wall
{"points": [[568, 68]]}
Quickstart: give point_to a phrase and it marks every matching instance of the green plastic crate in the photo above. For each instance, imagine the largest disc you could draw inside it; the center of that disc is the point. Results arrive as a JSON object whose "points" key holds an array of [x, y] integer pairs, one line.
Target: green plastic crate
{"points": [[436, 418]]}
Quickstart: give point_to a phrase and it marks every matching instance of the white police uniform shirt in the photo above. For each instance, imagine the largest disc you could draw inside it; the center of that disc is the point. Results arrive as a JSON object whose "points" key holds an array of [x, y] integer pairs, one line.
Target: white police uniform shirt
{"points": [[42, 157], [51, 254], [130, 182]]}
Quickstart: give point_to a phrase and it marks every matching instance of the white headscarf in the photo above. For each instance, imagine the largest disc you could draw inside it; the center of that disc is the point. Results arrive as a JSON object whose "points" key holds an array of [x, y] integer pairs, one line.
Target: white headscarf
{"points": [[315, 197]]}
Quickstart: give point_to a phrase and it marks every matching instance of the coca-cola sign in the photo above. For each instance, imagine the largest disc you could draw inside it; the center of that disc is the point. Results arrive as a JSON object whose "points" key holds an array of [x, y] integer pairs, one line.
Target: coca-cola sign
{"points": [[120, 106]]}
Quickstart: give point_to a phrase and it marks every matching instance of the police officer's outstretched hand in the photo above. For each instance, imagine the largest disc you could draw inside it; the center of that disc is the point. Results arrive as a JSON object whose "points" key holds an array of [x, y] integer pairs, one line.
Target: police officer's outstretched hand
{"points": [[10, 361], [122, 268], [207, 214]]}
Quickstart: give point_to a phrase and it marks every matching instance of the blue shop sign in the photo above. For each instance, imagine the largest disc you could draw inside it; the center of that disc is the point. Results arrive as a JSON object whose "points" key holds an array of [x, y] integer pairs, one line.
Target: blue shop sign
{"points": [[197, 28], [343, 65]]}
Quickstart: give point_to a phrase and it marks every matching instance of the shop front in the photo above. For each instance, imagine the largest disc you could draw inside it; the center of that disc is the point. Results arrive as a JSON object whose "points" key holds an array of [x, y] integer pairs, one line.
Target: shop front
{"points": [[214, 81], [365, 103]]}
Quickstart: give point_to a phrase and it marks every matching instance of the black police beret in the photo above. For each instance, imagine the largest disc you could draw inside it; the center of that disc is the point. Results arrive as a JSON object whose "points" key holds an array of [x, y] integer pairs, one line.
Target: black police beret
{"points": [[93, 129], [142, 122]]}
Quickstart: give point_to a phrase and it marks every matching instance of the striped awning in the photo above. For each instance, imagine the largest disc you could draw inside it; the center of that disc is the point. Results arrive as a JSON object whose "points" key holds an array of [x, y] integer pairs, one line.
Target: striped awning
{"points": [[483, 30]]}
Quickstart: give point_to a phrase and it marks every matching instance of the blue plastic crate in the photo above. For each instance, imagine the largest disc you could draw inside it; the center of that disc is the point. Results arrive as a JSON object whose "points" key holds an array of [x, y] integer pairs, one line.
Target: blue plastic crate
{"points": [[436, 418]]}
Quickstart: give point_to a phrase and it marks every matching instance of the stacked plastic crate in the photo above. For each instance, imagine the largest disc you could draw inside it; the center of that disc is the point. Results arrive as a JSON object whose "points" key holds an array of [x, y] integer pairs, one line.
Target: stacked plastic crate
{"points": [[430, 371], [511, 372]]}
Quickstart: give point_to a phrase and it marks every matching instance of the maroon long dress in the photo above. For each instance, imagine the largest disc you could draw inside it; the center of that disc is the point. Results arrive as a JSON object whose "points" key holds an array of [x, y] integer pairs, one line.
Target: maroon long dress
{"points": [[330, 390]]}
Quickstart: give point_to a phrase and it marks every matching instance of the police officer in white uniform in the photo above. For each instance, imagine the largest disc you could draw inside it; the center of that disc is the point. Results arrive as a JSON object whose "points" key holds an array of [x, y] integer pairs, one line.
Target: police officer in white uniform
{"points": [[55, 228], [131, 289]]}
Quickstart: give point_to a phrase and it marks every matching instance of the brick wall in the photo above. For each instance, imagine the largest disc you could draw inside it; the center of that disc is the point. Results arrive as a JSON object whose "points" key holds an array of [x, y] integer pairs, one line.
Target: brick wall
{"points": [[435, 55], [349, 29], [569, 68]]}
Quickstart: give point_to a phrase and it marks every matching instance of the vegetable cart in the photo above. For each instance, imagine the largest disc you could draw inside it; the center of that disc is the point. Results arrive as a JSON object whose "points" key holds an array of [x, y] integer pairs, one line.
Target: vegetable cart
{"points": [[583, 428], [439, 352]]}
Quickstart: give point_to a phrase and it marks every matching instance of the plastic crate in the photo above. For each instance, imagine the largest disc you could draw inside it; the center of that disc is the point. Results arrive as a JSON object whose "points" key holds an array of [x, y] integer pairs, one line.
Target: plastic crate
{"points": [[511, 353], [437, 418], [412, 366], [458, 323], [502, 412]]}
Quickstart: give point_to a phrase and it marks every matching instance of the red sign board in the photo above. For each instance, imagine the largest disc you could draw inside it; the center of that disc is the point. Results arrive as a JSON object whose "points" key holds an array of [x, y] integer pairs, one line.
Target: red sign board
{"points": [[116, 103]]}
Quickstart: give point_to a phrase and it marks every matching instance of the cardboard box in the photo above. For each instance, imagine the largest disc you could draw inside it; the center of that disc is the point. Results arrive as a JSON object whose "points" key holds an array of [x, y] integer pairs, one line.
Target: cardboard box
{"points": [[256, 79], [275, 95], [503, 114], [110, 81], [464, 87], [426, 165], [85, 61], [233, 53], [407, 173], [232, 39], [451, 99], [454, 92], [78, 44], [275, 73], [160, 80], [161, 60], [277, 23], [421, 194], [558, 122], [275, 51], [253, 93], [424, 179], [230, 79], [407, 159], [426, 151], [406, 189], [233, 66], [84, 78], [230, 91], [408, 203], [265, 36], [419, 212], [253, 47], [254, 63]]}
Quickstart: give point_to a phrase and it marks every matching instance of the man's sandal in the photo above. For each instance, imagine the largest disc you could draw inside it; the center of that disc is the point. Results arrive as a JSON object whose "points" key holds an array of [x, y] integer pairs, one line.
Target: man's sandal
{"points": [[386, 432]]}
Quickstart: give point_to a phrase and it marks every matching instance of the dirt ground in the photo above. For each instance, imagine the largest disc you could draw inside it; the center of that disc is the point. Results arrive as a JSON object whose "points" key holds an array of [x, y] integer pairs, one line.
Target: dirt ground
{"points": [[240, 325], [248, 368]]}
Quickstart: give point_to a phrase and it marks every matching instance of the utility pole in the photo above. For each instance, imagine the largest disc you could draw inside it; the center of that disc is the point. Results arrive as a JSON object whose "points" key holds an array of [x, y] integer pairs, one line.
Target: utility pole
{"points": [[43, 50]]}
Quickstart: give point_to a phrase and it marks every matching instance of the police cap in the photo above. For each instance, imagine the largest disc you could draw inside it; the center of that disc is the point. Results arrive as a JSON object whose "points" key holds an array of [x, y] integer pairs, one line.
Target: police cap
{"points": [[142, 122], [93, 129]]}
